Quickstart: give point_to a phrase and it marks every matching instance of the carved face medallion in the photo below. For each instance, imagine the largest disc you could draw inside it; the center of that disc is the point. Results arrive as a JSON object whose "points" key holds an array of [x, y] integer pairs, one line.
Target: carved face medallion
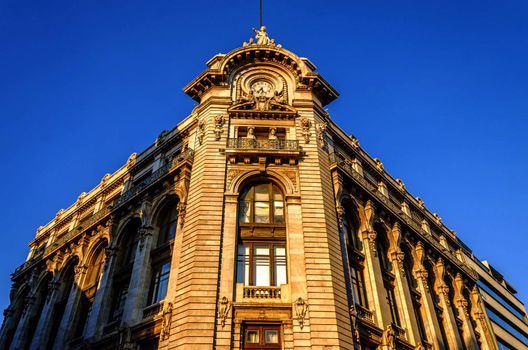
{"points": [[262, 88]]}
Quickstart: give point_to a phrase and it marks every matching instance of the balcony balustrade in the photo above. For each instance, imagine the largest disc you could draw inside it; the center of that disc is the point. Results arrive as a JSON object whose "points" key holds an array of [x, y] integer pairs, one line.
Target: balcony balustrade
{"points": [[248, 144], [263, 294]]}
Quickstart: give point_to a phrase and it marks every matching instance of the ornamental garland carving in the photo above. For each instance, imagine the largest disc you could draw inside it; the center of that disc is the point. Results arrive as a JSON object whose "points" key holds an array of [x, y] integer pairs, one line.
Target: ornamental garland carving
{"points": [[321, 130], [301, 307], [166, 319], [223, 310], [200, 133], [219, 126], [305, 125]]}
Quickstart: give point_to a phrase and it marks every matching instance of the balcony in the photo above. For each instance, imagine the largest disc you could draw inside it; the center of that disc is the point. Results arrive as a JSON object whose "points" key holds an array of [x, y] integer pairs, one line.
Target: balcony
{"points": [[173, 163], [263, 294], [250, 150]]}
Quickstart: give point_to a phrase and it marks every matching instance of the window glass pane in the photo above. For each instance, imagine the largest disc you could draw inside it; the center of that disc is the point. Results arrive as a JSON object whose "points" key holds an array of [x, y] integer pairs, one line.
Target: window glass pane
{"points": [[277, 196], [271, 336], [280, 265], [262, 212], [252, 336], [278, 214], [161, 282], [262, 266], [243, 264], [262, 193], [172, 230], [244, 211]]}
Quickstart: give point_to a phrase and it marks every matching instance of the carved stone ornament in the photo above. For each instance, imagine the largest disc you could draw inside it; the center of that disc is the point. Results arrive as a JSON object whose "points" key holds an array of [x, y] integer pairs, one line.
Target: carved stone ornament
{"points": [[223, 310], [166, 319], [182, 208], [305, 128], [401, 185], [200, 133], [422, 275], [443, 291], [131, 160], [261, 38], [262, 96], [144, 233], [438, 218], [389, 338], [301, 307], [379, 164], [110, 252], [52, 287], [420, 202], [371, 235], [354, 323], [355, 141], [79, 270], [340, 215], [321, 130], [219, 126]]}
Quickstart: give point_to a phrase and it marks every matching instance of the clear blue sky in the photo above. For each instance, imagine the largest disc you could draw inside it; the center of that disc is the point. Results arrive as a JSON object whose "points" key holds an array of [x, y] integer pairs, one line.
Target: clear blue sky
{"points": [[437, 90]]}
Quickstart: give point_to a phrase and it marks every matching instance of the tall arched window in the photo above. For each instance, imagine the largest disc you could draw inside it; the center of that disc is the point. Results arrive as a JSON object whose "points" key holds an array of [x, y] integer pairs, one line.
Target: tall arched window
{"points": [[123, 268], [355, 258], [162, 253], [261, 259]]}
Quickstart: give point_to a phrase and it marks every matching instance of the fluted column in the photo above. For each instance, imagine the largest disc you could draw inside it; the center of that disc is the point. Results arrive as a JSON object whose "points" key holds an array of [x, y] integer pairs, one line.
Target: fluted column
{"points": [[139, 280], [20, 336], [448, 317], [102, 297], [40, 339], [68, 317], [403, 293], [377, 296], [434, 334]]}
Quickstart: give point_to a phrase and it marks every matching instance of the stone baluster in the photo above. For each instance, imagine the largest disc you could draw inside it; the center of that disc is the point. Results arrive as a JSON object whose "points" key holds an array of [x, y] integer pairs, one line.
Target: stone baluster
{"points": [[448, 317], [432, 325], [461, 303]]}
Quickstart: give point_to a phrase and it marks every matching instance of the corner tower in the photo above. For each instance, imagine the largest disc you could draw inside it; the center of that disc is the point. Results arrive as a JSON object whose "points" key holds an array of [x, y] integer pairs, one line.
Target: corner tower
{"points": [[259, 153]]}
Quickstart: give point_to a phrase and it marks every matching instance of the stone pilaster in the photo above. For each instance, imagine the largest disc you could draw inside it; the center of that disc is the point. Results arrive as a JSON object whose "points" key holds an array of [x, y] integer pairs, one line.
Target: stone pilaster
{"points": [[434, 334], [461, 303], [448, 317], [139, 279], [402, 291], [40, 338], [20, 337]]}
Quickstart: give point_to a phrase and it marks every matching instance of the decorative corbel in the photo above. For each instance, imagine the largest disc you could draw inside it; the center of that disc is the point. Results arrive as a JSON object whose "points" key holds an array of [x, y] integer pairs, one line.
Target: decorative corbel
{"points": [[223, 310], [301, 307], [219, 126], [110, 252], [305, 128], [144, 233], [52, 287]]}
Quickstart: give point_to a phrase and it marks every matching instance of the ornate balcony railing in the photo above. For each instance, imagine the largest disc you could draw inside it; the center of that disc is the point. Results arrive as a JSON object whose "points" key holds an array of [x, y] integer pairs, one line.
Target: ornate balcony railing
{"points": [[399, 332], [178, 159], [364, 314], [152, 310], [243, 143], [262, 292]]}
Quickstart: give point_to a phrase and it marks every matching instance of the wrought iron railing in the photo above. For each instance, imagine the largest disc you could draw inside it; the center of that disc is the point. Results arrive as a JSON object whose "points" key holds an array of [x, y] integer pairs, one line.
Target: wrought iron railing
{"points": [[174, 162], [262, 292], [243, 143]]}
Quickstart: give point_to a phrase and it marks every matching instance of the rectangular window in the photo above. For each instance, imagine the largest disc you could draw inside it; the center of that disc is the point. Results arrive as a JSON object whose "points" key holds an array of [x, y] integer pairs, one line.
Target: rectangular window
{"points": [[160, 282], [261, 264], [391, 300], [358, 286]]}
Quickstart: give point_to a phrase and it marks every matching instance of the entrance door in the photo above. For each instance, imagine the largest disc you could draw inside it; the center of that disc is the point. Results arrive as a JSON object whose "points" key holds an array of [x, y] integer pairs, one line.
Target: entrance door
{"points": [[257, 337]]}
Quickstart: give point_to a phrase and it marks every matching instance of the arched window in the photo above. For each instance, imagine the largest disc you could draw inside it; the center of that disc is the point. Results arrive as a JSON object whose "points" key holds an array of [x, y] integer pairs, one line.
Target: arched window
{"points": [[261, 204], [355, 258], [261, 259], [123, 268], [162, 254]]}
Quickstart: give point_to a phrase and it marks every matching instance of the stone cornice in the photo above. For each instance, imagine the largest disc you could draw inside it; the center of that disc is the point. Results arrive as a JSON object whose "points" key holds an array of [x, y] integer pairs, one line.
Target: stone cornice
{"points": [[300, 68]]}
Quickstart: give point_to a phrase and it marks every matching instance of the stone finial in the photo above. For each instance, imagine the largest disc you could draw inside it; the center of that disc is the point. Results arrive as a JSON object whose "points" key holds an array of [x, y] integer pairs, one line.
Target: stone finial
{"points": [[131, 160], [355, 141], [438, 218], [261, 38], [379, 164], [420, 202], [401, 185]]}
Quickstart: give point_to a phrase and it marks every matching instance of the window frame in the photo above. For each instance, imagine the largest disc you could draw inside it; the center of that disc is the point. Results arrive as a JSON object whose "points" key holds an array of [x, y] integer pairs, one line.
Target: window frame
{"points": [[271, 244]]}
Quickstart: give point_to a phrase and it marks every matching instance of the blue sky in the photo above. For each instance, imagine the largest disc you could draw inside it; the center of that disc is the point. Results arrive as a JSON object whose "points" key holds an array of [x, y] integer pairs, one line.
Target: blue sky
{"points": [[436, 90]]}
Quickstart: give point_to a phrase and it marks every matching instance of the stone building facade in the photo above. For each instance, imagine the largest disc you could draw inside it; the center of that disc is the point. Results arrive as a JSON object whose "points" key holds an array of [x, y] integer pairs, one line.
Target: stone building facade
{"points": [[256, 223]]}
